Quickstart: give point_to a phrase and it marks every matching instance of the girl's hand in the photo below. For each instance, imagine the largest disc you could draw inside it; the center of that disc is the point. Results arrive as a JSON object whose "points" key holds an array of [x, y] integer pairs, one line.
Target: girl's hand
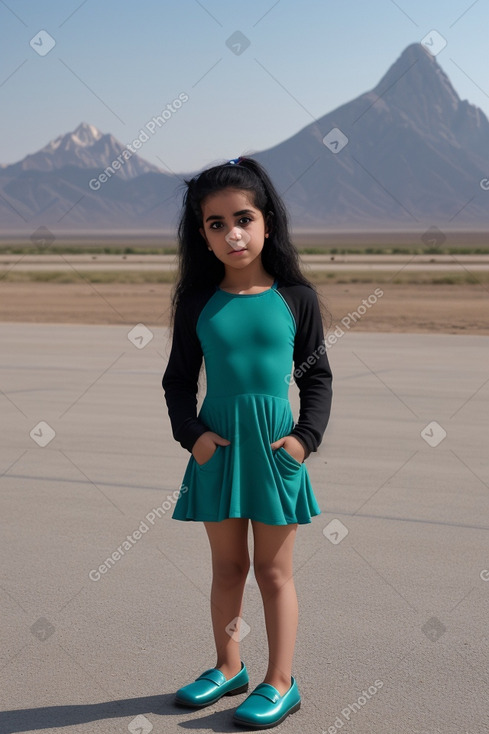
{"points": [[293, 447], [205, 446]]}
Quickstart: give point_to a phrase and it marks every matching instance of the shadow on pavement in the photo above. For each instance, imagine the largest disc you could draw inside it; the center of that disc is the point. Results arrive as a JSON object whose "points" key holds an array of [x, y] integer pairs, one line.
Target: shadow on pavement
{"points": [[51, 717]]}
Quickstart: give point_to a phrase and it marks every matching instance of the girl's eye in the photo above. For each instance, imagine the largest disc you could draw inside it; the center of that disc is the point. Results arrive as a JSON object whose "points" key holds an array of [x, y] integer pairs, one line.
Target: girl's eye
{"points": [[241, 222]]}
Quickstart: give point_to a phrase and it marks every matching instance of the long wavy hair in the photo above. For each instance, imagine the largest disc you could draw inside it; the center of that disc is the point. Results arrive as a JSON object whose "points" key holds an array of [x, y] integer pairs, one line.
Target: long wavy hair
{"points": [[199, 268]]}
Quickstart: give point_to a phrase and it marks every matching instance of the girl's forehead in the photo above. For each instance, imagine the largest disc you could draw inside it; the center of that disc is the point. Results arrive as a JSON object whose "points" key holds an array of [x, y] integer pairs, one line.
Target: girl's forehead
{"points": [[229, 198]]}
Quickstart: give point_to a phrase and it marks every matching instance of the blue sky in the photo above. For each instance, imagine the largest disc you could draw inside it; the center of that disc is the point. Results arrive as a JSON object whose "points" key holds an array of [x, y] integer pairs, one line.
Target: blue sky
{"points": [[117, 64]]}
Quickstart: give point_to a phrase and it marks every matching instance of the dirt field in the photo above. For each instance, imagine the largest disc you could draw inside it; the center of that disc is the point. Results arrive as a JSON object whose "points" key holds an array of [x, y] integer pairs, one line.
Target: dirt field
{"points": [[450, 309]]}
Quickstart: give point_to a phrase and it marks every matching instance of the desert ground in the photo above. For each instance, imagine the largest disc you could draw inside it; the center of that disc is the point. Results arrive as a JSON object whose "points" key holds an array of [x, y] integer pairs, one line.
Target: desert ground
{"points": [[421, 293], [449, 309]]}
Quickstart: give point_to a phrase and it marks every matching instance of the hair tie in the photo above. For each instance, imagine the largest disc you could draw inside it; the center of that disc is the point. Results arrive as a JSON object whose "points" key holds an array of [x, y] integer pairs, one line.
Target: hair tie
{"points": [[235, 161]]}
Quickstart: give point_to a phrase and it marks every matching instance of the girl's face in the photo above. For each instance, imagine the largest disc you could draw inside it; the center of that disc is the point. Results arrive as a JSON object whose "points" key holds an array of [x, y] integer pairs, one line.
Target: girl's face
{"points": [[233, 228]]}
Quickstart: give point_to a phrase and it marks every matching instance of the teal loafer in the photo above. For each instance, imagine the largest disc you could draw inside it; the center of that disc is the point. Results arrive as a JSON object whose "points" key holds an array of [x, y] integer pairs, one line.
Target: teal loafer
{"points": [[265, 707], [210, 687]]}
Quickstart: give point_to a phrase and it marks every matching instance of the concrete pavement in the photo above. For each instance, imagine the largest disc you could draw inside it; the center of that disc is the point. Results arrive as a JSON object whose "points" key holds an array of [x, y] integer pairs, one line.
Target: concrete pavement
{"points": [[392, 578]]}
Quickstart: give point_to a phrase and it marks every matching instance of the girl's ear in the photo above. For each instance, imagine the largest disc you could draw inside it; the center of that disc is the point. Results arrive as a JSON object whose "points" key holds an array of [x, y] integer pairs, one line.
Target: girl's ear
{"points": [[269, 222], [202, 233]]}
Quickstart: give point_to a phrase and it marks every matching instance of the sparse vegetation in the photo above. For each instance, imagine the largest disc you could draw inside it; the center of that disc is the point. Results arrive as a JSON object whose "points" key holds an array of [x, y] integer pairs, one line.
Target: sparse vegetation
{"points": [[463, 277], [167, 246], [168, 250], [90, 276], [395, 250], [57, 249]]}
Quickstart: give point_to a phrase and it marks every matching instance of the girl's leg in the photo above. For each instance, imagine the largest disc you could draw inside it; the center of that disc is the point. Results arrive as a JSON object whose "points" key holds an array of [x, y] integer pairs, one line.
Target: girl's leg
{"points": [[230, 565], [273, 550]]}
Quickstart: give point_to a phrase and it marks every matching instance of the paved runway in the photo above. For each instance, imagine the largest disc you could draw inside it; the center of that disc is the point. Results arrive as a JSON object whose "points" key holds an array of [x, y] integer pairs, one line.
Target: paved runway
{"points": [[393, 635]]}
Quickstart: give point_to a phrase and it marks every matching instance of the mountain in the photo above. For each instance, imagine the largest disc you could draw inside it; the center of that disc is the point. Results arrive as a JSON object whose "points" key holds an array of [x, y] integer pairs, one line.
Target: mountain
{"points": [[59, 187], [85, 147], [414, 157]]}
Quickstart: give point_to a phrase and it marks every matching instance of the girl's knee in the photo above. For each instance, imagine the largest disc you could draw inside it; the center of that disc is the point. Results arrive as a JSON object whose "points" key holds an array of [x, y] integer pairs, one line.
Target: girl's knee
{"points": [[271, 577], [228, 572]]}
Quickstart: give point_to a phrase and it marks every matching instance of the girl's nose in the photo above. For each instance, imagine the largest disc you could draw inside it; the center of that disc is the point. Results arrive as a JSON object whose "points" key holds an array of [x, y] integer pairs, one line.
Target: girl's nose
{"points": [[237, 237], [235, 233]]}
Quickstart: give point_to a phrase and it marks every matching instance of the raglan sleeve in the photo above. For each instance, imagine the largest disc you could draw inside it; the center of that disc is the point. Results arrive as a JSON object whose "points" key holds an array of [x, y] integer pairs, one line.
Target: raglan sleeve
{"points": [[312, 373], [180, 379]]}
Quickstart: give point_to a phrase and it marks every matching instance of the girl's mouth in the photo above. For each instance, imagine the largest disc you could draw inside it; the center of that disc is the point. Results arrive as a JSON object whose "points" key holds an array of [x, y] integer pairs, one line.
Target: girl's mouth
{"points": [[237, 252]]}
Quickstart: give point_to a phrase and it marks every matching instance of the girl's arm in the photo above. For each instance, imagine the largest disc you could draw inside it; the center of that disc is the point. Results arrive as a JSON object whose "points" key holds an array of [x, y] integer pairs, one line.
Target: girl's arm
{"points": [[180, 381], [312, 372]]}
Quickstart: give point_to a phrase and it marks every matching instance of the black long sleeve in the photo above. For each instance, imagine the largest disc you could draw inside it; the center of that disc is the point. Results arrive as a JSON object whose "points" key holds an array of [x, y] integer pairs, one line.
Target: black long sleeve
{"points": [[312, 372], [180, 380]]}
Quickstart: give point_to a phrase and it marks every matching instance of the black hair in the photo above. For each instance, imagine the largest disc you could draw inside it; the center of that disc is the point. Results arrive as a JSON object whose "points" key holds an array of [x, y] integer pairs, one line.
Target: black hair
{"points": [[199, 268]]}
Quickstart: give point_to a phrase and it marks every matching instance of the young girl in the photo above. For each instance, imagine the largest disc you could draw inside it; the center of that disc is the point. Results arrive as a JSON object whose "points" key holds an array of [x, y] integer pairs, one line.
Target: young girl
{"points": [[242, 305]]}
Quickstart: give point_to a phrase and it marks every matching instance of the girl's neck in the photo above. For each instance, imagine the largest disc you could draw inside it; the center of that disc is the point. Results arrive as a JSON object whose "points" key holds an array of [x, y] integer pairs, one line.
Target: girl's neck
{"points": [[244, 280]]}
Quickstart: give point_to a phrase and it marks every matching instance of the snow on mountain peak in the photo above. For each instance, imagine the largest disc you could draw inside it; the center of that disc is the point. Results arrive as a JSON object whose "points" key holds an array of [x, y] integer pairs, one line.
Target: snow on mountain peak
{"points": [[86, 134]]}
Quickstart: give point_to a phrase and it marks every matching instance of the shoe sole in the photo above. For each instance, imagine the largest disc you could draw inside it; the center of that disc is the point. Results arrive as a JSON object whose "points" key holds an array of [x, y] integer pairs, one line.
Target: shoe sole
{"points": [[268, 726], [233, 692]]}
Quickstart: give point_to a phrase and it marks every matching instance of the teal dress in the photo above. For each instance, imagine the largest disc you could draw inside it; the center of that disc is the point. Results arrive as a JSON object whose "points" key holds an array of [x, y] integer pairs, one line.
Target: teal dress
{"points": [[247, 344]]}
